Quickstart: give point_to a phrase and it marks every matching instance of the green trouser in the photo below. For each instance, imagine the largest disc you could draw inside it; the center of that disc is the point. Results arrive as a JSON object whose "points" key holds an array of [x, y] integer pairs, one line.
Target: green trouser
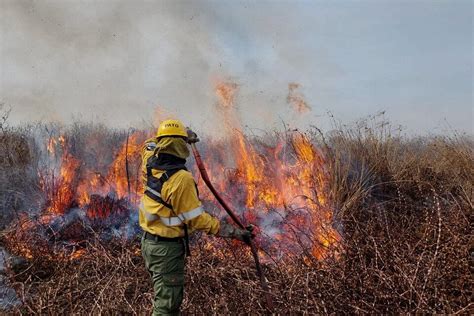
{"points": [[165, 263]]}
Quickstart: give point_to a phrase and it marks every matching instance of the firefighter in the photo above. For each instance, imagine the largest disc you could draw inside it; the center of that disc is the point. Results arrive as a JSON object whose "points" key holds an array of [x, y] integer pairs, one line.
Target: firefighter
{"points": [[170, 210]]}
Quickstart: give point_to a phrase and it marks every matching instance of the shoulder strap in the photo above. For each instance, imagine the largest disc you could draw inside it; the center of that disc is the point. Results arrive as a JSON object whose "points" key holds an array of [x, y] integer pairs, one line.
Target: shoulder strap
{"points": [[155, 185]]}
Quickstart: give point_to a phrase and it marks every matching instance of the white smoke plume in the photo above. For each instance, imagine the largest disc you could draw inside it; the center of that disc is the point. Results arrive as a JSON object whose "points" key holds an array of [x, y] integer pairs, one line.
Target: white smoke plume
{"points": [[117, 61]]}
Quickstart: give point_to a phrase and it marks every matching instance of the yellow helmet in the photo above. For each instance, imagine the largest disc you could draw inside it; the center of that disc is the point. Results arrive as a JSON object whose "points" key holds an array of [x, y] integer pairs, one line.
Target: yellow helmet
{"points": [[171, 128]]}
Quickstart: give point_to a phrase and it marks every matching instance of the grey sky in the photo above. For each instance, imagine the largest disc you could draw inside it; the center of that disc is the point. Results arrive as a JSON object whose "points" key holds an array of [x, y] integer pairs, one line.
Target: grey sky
{"points": [[115, 61]]}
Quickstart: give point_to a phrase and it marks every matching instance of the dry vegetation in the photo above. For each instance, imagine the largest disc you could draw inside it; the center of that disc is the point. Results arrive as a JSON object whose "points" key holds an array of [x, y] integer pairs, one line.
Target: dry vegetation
{"points": [[403, 207]]}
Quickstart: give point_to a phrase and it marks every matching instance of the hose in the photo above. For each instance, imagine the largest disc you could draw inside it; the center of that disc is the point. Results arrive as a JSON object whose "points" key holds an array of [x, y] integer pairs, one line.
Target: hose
{"points": [[250, 243]]}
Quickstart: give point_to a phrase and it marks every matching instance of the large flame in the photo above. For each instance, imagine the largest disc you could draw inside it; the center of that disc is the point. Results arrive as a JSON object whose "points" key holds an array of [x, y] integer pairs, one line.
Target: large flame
{"points": [[287, 179], [279, 184], [73, 186], [59, 186]]}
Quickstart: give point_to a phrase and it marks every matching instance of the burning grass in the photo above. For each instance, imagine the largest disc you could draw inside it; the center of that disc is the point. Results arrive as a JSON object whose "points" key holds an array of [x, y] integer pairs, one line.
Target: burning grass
{"points": [[389, 228], [388, 269]]}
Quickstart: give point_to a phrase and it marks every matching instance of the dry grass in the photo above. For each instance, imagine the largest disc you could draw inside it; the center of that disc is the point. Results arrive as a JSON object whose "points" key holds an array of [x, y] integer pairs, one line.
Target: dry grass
{"points": [[403, 207]]}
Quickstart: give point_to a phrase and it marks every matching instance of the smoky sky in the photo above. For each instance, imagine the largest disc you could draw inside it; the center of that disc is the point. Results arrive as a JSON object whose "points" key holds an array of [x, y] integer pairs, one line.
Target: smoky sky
{"points": [[116, 62]]}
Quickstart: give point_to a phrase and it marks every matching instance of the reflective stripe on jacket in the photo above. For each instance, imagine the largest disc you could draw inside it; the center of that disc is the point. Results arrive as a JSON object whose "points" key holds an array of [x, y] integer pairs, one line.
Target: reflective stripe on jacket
{"points": [[179, 191]]}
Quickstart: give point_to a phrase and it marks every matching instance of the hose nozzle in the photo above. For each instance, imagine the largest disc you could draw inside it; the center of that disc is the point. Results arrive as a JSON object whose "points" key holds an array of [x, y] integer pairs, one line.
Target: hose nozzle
{"points": [[192, 136]]}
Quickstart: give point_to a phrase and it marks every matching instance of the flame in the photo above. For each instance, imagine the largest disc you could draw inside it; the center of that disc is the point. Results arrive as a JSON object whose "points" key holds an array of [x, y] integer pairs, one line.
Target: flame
{"points": [[60, 187], [72, 186], [51, 146], [77, 254], [118, 170], [226, 92], [281, 185], [284, 178], [296, 100]]}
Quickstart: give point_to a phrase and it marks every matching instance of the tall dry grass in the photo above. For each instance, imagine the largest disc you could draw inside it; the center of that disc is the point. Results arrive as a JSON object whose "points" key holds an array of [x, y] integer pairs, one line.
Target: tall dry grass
{"points": [[403, 207]]}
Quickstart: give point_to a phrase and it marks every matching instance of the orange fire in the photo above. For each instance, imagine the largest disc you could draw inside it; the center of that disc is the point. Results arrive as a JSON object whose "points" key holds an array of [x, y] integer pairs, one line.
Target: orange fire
{"points": [[121, 165], [296, 100], [281, 187], [73, 186], [285, 177], [59, 186]]}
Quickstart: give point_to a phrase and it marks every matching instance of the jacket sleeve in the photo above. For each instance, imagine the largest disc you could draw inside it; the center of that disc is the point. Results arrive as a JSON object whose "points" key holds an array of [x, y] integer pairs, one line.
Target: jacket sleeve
{"points": [[188, 207]]}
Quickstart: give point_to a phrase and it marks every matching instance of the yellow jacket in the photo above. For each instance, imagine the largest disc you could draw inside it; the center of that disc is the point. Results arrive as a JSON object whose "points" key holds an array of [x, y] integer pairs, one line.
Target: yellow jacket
{"points": [[179, 191]]}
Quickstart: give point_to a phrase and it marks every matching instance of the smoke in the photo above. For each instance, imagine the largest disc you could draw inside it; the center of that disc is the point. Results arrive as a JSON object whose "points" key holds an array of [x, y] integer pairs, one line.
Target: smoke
{"points": [[117, 61]]}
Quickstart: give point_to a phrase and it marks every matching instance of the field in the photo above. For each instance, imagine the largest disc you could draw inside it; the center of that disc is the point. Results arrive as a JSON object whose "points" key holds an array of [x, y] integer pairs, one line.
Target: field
{"points": [[399, 210]]}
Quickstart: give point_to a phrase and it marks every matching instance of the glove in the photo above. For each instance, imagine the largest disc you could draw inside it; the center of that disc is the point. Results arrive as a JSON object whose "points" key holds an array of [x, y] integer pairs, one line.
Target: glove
{"points": [[230, 231], [192, 137]]}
